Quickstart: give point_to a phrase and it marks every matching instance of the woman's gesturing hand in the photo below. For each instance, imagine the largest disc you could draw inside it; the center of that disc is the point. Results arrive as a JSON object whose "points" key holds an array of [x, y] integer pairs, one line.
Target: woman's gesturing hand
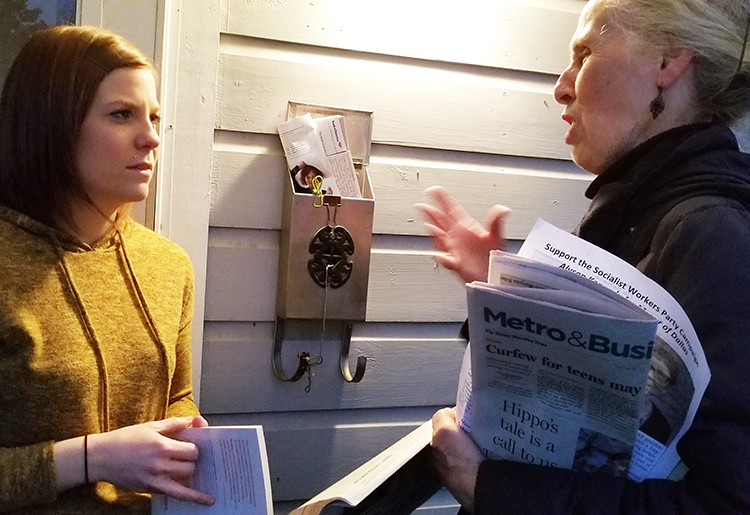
{"points": [[455, 456], [466, 242], [146, 458]]}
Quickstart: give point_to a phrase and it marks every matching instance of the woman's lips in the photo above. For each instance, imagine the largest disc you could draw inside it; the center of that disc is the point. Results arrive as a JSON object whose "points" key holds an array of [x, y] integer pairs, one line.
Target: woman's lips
{"points": [[143, 169], [143, 166], [569, 134]]}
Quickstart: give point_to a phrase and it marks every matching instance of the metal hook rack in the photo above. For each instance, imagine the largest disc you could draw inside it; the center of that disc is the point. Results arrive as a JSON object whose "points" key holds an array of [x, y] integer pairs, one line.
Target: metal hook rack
{"points": [[334, 281], [304, 359]]}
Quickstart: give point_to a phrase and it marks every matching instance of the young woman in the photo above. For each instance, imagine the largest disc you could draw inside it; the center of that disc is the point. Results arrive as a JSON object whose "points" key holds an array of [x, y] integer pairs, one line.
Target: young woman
{"points": [[95, 310], [648, 94]]}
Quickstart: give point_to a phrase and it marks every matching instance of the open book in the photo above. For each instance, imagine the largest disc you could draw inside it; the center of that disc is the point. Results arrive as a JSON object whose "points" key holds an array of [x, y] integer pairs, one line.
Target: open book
{"points": [[232, 466], [395, 482]]}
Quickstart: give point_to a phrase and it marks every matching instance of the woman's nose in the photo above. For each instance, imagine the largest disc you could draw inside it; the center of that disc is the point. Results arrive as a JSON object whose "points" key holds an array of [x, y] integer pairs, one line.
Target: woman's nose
{"points": [[565, 87], [149, 139]]}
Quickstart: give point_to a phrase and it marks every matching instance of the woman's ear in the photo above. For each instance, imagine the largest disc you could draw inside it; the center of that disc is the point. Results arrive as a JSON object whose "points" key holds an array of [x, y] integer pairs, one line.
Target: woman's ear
{"points": [[674, 67]]}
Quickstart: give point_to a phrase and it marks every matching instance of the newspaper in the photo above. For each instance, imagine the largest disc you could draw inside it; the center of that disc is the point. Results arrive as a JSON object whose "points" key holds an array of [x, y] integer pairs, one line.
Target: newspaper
{"points": [[679, 372], [558, 375], [572, 397], [319, 147]]}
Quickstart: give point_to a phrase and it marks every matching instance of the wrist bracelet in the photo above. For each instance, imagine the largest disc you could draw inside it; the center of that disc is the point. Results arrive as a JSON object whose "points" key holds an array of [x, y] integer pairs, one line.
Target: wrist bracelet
{"points": [[86, 458]]}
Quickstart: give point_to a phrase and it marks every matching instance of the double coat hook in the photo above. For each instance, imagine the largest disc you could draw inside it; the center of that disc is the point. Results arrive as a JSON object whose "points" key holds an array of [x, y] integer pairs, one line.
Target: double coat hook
{"points": [[305, 361]]}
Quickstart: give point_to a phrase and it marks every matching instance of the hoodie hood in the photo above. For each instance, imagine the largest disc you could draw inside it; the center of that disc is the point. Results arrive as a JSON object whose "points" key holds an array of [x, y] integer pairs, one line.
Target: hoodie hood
{"points": [[56, 237]]}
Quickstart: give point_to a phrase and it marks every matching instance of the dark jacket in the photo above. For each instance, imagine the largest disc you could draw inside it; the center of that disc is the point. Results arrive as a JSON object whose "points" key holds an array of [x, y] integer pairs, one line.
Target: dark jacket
{"points": [[677, 207]]}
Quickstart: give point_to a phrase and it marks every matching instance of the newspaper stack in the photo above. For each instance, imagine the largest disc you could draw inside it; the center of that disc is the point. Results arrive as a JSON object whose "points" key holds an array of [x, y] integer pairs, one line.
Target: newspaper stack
{"points": [[578, 360]]}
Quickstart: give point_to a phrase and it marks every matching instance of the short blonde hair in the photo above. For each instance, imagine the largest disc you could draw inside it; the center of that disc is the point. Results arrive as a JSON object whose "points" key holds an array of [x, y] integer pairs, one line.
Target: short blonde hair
{"points": [[714, 31]]}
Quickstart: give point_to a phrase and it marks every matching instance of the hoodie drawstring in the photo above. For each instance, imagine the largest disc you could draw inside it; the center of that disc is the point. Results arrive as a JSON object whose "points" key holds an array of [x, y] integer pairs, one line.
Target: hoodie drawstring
{"points": [[93, 341], [149, 318]]}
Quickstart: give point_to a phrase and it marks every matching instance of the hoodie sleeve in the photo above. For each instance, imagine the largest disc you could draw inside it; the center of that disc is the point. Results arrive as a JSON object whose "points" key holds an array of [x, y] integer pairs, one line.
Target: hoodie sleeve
{"points": [[27, 476], [181, 402], [701, 258]]}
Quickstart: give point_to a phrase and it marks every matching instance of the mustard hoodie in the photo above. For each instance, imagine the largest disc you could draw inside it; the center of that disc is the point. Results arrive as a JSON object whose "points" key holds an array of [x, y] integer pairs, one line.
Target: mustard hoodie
{"points": [[92, 338]]}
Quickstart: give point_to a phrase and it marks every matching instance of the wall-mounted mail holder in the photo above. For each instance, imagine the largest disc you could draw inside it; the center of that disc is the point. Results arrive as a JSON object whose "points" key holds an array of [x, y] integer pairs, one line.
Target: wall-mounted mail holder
{"points": [[324, 258]]}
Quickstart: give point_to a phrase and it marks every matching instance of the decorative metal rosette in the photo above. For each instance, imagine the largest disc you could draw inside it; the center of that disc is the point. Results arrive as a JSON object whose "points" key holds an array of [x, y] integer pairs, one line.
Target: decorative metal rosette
{"points": [[331, 248]]}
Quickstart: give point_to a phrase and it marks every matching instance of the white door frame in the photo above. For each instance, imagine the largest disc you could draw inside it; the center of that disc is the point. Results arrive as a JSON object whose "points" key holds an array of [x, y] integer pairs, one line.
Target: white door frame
{"points": [[183, 186]]}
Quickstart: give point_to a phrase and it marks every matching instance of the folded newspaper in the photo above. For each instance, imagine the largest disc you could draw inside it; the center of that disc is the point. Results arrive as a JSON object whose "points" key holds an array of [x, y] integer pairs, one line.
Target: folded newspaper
{"points": [[319, 147], [578, 360]]}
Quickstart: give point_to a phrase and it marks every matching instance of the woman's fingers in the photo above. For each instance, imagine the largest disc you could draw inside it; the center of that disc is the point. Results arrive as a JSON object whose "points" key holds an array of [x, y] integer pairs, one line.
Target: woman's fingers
{"points": [[448, 262], [177, 468], [440, 242], [465, 242], [141, 456], [455, 456], [442, 198], [438, 236], [443, 419], [496, 223], [454, 212], [173, 488], [182, 451], [199, 422], [170, 426], [435, 216]]}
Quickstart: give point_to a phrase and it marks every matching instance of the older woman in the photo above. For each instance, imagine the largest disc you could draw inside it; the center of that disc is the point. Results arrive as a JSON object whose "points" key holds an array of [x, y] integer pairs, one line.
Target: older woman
{"points": [[648, 93], [95, 310]]}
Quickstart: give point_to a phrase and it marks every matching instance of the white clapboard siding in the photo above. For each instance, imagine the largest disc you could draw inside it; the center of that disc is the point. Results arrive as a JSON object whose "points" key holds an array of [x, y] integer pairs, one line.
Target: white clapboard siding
{"points": [[248, 177], [475, 110], [242, 274], [520, 35], [242, 277], [402, 370], [307, 452]]}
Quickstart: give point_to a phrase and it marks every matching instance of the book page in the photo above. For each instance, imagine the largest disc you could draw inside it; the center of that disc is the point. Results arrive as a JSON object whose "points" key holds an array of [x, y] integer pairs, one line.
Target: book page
{"points": [[232, 466], [356, 486]]}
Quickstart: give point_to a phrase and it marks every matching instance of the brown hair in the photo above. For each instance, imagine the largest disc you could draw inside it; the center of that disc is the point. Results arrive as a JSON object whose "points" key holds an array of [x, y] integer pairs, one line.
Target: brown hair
{"points": [[47, 94], [714, 31]]}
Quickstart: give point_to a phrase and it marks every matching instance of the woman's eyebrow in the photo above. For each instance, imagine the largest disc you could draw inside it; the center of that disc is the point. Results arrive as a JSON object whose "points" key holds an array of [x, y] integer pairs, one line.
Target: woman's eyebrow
{"points": [[579, 42], [128, 104]]}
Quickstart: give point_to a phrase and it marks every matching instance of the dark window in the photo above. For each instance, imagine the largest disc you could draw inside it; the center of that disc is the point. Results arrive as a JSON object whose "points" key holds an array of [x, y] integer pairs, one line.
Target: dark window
{"points": [[19, 19]]}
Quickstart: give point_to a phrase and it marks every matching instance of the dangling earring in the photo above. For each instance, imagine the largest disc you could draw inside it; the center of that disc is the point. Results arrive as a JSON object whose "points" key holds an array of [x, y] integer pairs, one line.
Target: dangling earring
{"points": [[657, 104]]}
